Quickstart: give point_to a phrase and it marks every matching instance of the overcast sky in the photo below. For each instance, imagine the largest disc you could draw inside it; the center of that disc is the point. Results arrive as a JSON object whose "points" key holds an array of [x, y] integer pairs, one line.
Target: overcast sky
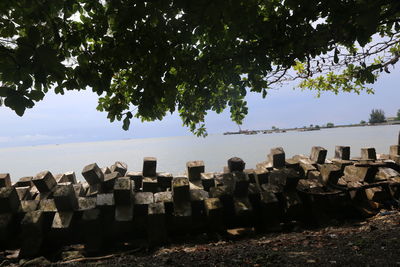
{"points": [[73, 117]]}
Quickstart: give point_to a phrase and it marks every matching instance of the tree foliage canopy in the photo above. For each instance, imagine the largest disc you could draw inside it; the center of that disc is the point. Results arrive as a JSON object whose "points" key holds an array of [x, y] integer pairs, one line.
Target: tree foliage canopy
{"points": [[147, 58], [377, 116]]}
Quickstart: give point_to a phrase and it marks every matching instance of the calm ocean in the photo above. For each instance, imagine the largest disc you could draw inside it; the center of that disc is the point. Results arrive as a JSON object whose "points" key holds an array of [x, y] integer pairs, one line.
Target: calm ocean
{"points": [[173, 152]]}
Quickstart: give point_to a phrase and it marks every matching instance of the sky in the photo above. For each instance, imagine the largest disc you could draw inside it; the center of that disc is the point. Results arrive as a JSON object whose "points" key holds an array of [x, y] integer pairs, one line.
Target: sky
{"points": [[73, 117]]}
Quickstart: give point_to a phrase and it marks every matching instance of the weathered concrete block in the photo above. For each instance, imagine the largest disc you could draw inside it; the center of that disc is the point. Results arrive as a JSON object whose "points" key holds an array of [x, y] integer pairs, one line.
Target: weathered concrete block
{"points": [[342, 152], [109, 180], [306, 167], [277, 157], [6, 230], [86, 203], [318, 154], [207, 180], [106, 199], [166, 198], [9, 200], [93, 190], [92, 174], [137, 178], [28, 206], [236, 164], [269, 212], [32, 234], [241, 184], [93, 230], [368, 153], [251, 174], [69, 177], [194, 169], [330, 173], [5, 180], [44, 181], [292, 164], [123, 191], [197, 198], [62, 220], [285, 178], [357, 173], [314, 175], [124, 213], [394, 151], [214, 211], [261, 176], [25, 181], [378, 194], [65, 198], [105, 170], [79, 190], [149, 167], [141, 202], [120, 167], [150, 184], [164, 180], [156, 224], [293, 206], [47, 205], [180, 190], [386, 173], [342, 163], [24, 193]]}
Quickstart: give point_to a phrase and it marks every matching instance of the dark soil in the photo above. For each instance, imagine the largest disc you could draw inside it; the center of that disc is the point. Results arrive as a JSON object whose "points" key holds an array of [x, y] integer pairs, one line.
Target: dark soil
{"points": [[373, 242]]}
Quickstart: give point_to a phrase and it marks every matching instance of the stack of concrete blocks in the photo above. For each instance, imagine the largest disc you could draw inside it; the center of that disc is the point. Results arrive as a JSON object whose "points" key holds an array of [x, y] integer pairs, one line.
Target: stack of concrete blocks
{"points": [[45, 212]]}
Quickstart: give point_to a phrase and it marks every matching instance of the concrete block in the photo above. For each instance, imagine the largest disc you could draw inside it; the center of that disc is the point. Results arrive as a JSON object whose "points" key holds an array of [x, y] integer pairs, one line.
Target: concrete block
{"points": [[137, 179], [207, 180], [197, 197], [69, 177], [106, 199], [214, 211], [356, 173], [25, 181], [394, 151], [141, 202], [342, 152], [47, 205], [285, 178], [166, 198], [378, 194], [65, 198], [194, 169], [62, 220], [277, 157], [79, 190], [386, 173], [261, 176], [86, 203], [318, 154], [105, 170], [244, 215], [44, 181], [6, 230], [93, 230], [164, 180], [32, 234], [156, 224], [342, 163], [180, 190], [94, 189], [9, 200], [120, 167], [5, 180], [28, 206], [92, 174], [236, 164], [124, 213], [149, 167], [368, 153], [149, 184], [123, 191], [241, 184], [306, 167], [292, 164], [251, 174], [293, 206], [330, 174], [109, 180], [24, 193]]}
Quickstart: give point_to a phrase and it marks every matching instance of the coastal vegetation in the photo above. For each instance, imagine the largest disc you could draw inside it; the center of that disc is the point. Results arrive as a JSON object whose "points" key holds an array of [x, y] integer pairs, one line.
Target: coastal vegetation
{"points": [[146, 59], [377, 116]]}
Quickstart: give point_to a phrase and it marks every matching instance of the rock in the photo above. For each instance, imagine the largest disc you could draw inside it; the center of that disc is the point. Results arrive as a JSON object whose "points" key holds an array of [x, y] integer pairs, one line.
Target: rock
{"points": [[120, 167], [149, 167], [277, 157], [44, 181], [5, 180], [342, 152], [92, 174], [194, 169], [236, 164], [368, 153], [318, 154]]}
